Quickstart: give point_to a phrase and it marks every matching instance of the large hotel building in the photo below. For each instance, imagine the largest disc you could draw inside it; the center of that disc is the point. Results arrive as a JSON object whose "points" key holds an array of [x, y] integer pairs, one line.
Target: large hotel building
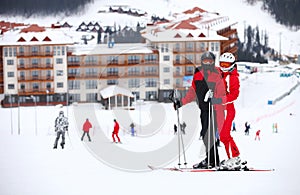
{"points": [[45, 66]]}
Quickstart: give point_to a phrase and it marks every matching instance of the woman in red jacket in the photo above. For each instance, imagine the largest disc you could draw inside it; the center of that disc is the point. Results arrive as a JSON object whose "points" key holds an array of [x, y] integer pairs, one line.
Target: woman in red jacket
{"points": [[116, 131], [231, 80], [86, 128]]}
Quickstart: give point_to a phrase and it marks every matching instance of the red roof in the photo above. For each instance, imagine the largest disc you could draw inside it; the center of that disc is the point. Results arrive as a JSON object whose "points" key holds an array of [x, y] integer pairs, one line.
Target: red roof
{"points": [[33, 28], [195, 9], [185, 25]]}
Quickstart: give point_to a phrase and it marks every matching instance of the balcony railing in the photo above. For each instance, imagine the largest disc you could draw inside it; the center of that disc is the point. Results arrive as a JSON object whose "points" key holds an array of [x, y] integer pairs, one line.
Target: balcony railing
{"points": [[28, 54], [35, 66]]}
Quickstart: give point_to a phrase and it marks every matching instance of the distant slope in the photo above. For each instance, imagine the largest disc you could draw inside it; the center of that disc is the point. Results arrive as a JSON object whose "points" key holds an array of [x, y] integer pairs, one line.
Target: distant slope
{"points": [[237, 10]]}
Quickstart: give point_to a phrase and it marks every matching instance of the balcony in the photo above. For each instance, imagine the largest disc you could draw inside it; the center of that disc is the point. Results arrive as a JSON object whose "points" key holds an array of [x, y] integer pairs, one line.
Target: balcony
{"points": [[35, 91], [35, 78], [31, 54], [35, 66]]}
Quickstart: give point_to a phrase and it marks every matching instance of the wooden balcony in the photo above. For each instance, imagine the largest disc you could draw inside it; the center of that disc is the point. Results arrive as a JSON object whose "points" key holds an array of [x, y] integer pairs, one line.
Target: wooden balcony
{"points": [[37, 91]]}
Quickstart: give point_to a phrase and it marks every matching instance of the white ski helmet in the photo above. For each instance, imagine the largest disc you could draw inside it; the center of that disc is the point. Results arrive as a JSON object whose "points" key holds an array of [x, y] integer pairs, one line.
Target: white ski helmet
{"points": [[227, 62]]}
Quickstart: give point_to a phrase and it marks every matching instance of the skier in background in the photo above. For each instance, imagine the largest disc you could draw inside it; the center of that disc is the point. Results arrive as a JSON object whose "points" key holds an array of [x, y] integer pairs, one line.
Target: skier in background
{"points": [[207, 82], [116, 132], [247, 126], [182, 127], [61, 126], [175, 129], [86, 129], [233, 126], [257, 135], [132, 129]]}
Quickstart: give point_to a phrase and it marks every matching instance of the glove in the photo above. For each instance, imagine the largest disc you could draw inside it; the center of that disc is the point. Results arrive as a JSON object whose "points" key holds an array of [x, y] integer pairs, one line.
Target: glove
{"points": [[177, 104], [209, 94], [216, 100]]}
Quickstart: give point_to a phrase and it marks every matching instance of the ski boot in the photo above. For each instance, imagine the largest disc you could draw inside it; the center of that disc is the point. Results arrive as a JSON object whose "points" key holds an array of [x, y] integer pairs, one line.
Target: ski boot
{"points": [[232, 164], [202, 165]]}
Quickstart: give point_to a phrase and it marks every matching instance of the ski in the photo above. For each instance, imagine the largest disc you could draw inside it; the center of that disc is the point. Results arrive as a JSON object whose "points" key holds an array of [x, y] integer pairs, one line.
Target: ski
{"points": [[208, 170]]}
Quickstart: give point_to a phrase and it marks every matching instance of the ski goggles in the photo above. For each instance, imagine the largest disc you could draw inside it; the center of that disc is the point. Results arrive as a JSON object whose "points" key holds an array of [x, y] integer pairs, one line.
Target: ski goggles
{"points": [[225, 64], [207, 61]]}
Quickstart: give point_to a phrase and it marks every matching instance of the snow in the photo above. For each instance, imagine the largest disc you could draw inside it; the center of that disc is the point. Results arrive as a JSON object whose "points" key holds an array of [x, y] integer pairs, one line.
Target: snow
{"points": [[237, 10], [29, 165]]}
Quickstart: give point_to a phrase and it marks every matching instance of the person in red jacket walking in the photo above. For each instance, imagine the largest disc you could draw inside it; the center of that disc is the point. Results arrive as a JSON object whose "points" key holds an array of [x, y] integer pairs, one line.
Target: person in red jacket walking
{"points": [[116, 132], [86, 129]]}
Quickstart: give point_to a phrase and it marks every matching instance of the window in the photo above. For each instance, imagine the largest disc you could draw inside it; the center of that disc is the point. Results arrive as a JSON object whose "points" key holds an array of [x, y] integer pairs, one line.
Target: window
{"points": [[75, 84], [212, 46], [190, 59], [166, 58], [91, 97], [90, 84], [47, 49], [91, 72], [60, 85], [177, 47], [10, 62], [59, 72], [91, 60], [150, 70], [133, 83], [48, 61], [177, 59], [189, 70], [5, 52], [35, 74], [35, 62], [151, 82], [62, 50], [112, 71], [15, 51], [76, 97], [166, 81], [151, 95], [217, 46], [73, 59], [22, 75], [35, 86], [11, 86], [10, 74], [21, 50], [48, 85], [73, 72], [112, 82], [189, 46], [133, 71], [166, 69], [10, 52], [59, 60], [150, 58], [133, 59], [34, 49], [202, 46], [112, 59]]}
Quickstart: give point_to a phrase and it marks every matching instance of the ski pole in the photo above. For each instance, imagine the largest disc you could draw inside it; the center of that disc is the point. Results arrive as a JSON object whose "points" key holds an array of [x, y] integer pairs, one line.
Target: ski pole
{"points": [[214, 134], [208, 146]]}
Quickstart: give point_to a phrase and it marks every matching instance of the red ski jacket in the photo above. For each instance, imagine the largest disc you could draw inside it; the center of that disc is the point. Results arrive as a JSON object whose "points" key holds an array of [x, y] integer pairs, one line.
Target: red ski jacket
{"points": [[116, 127], [232, 86], [86, 126]]}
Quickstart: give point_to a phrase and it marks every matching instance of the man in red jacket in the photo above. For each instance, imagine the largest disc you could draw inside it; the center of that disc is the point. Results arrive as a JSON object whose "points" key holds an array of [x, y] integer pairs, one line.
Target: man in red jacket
{"points": [[86, 128], [116, 131], [206, 79]]}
